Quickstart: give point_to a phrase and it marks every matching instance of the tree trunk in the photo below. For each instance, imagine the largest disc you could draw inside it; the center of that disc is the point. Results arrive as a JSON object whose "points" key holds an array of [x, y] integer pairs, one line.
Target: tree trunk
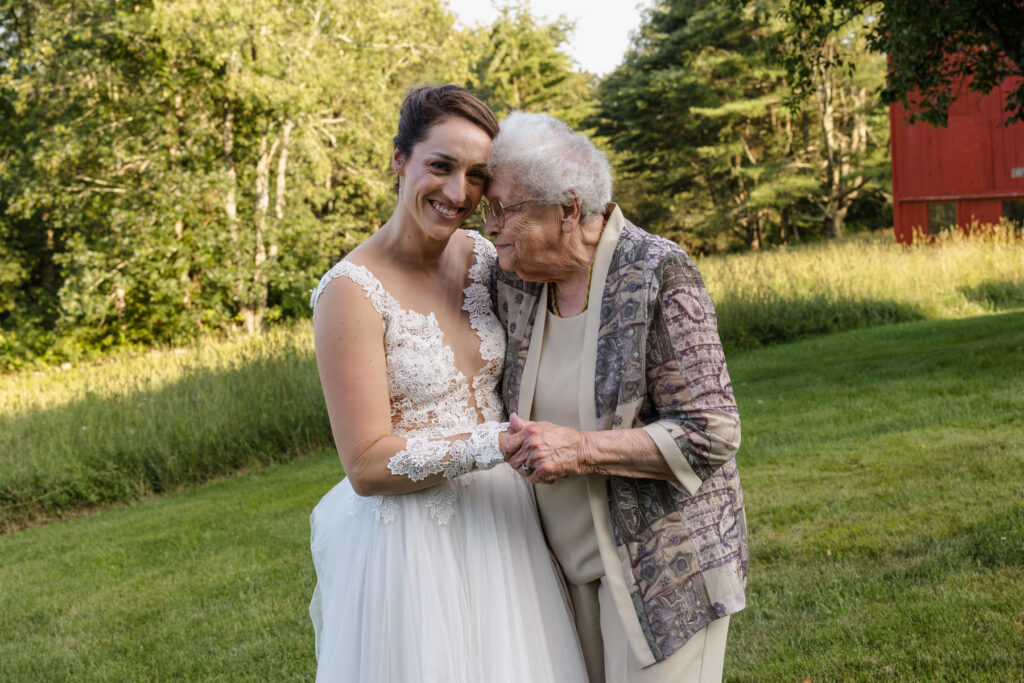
{"points": [[48, 271], [282, 167], [227, 145], [787, 231], [834, 222], [830, 143], [231, 204], [256, 304], [183, 277]]}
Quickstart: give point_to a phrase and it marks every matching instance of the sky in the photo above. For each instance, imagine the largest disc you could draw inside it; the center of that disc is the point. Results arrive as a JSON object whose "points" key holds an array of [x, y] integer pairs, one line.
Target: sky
{"points": [[602, 33]]}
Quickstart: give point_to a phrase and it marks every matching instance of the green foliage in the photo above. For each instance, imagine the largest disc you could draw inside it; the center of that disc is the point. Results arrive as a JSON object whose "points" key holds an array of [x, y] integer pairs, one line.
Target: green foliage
{"points": [[935, 49], [710, 154], [521, 67], [178, 167], [186, 167], [694, 112]]}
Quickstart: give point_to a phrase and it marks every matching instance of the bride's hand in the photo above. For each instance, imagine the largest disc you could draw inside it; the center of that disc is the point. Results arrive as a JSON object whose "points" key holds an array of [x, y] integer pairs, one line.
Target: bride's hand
{"points": [[544, 452]]}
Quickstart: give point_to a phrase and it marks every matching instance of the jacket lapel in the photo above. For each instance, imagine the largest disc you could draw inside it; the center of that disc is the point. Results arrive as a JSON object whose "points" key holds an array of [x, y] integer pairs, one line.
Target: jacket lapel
{"points": [[528, 381], [588, 360]]}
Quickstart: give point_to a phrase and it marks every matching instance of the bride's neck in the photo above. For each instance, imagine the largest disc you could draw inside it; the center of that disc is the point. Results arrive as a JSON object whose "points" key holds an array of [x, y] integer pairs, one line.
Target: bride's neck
{"points": [[409, 246]]}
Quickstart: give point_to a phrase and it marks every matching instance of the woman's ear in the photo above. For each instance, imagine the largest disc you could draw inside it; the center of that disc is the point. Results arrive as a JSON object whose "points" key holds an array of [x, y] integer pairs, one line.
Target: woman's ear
{"points": [[398, 162], [571, 214]]}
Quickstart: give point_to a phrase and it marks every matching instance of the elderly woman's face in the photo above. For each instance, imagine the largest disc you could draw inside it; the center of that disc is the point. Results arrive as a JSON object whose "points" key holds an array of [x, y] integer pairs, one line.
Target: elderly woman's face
{"points": [[530, 241]]}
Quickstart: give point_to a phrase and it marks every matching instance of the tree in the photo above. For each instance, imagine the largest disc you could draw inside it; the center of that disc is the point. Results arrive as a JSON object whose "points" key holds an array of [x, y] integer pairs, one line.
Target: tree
{"points": [[695, 111], [935, 48], [520, 66], [171, 166], [709, 152], [853, 141]]}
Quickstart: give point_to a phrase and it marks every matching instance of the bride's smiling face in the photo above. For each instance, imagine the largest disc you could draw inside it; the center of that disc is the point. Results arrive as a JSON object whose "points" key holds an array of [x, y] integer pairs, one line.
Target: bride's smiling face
{"points": [[442, 180]]}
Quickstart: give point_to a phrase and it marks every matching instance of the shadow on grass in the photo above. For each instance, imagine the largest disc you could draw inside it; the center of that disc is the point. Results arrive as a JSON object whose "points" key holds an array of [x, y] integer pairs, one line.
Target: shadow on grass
{"points": [[1000, 295], [102, 450], [888, 383], [751, 324]]}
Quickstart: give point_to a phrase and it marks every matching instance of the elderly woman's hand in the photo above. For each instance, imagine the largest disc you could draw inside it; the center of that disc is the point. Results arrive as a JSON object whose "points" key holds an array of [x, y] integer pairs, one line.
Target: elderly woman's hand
{"points": [[552, 452], [549, 451]]}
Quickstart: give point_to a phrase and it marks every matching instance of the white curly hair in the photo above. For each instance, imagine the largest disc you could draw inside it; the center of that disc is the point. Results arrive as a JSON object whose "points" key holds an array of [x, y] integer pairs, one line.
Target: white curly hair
{"points": [[549, 163]]}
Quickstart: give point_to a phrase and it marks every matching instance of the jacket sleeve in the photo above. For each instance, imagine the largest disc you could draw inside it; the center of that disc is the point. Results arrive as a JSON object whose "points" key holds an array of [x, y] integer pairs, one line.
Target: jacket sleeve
{"points": [[697, 427]]}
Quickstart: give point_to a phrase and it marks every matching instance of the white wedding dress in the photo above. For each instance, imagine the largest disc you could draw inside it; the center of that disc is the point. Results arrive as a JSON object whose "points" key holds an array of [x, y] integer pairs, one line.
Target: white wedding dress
{"points": [[453, 583]]}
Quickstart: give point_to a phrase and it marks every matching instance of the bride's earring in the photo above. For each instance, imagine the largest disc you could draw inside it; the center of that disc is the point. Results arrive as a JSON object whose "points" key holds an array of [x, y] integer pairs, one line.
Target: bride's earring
{"points": [[398, 166]]}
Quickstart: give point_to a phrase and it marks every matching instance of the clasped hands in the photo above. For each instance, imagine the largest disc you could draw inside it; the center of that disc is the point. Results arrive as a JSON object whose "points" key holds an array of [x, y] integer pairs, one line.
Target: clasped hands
{"points": [[550, 452]]}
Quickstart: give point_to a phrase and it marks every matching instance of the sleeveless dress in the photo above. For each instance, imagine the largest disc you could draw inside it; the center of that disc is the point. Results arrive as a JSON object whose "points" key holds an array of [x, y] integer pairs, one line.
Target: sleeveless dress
{"points": [[453, 583]]}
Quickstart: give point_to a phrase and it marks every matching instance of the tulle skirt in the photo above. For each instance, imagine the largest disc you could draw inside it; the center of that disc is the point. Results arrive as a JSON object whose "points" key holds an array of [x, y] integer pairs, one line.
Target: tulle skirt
{"points": [[450, 584]]}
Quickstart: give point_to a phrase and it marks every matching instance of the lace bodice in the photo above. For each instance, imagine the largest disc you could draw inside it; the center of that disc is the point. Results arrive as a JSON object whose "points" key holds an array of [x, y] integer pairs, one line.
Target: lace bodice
{"points": [[430, 397]]}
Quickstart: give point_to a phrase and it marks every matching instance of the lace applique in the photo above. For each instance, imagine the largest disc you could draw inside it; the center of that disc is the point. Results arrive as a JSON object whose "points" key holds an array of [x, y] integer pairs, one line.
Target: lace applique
{"points": [[483, 445], [375, 292], [385, 508], [441, 502], [423, 457], [482, 319], [430, 398]]}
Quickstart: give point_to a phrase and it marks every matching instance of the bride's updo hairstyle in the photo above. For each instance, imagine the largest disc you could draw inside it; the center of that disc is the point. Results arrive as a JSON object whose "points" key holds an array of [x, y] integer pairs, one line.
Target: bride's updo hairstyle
{"points": [[423, 107]]}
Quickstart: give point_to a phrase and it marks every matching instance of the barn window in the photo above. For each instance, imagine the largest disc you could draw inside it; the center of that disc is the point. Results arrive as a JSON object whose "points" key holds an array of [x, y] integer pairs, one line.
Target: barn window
{"points": [[941, 217], [1013, 211]]}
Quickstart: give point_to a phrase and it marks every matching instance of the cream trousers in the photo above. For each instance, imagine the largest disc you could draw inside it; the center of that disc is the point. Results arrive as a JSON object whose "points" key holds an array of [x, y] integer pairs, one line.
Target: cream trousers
{"points": [[609, 659]]}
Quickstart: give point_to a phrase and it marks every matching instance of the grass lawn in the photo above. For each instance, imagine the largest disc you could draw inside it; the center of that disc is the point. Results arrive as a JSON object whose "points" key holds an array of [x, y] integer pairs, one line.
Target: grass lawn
{"points": [[884, 478], [211, 584]]}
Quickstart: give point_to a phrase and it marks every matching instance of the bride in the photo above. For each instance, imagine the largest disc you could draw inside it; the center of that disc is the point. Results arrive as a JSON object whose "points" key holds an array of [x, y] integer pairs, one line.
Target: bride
{"points": [[429, 557]]}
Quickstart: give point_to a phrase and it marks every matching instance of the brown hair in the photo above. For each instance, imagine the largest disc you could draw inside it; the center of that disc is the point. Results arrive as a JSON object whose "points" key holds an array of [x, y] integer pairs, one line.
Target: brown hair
{"points": [[423, 107]]}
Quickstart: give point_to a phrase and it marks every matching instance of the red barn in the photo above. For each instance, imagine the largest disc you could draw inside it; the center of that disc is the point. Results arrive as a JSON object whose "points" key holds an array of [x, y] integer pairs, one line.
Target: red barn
{"points": [[972, 170]]}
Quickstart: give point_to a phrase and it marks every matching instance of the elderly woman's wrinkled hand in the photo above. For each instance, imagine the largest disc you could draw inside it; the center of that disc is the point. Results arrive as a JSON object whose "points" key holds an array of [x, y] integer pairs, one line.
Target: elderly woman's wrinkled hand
{"points": [[544, 452]]}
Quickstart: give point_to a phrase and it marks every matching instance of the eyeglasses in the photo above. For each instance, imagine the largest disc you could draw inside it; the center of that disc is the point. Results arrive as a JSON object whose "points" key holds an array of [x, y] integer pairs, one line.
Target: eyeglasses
{"points": [[497, 211]]}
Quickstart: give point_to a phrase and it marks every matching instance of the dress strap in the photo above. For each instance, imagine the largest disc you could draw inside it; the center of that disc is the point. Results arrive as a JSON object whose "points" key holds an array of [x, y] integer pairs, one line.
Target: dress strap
{"points": [[484, 255], [379, 297], [477, 296]]}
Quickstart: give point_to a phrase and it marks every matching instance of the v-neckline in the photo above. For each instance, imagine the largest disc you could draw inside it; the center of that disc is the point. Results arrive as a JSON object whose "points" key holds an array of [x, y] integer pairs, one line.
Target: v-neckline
{"points": [[432, 317]]}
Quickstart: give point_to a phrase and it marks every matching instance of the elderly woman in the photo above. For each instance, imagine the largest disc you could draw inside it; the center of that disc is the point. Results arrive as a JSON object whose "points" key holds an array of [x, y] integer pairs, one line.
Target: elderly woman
{"points": [[622, 410]]}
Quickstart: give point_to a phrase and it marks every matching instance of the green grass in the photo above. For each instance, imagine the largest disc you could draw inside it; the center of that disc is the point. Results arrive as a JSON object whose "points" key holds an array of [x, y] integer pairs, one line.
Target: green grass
{"points": [[106, 433], [884, 479], [784, 294], [208, 585]]}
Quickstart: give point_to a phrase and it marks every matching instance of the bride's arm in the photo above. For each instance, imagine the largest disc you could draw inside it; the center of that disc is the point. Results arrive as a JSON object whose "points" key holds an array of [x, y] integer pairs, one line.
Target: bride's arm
{"points": [[350, 357]]}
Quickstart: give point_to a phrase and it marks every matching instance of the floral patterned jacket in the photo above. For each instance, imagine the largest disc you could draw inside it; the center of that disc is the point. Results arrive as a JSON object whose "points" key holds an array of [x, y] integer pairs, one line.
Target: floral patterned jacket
{"points": [[674, 553]]}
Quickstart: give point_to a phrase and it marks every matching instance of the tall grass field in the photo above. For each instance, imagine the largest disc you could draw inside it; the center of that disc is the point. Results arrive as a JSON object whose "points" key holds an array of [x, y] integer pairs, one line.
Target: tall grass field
{"points": [[113, 432], [155, 423], [779, 295], [883, 473]]}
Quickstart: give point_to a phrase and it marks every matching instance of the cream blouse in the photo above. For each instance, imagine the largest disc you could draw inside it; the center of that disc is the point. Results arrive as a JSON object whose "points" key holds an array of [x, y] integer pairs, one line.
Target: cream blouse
{"points": [[564, 505]]}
